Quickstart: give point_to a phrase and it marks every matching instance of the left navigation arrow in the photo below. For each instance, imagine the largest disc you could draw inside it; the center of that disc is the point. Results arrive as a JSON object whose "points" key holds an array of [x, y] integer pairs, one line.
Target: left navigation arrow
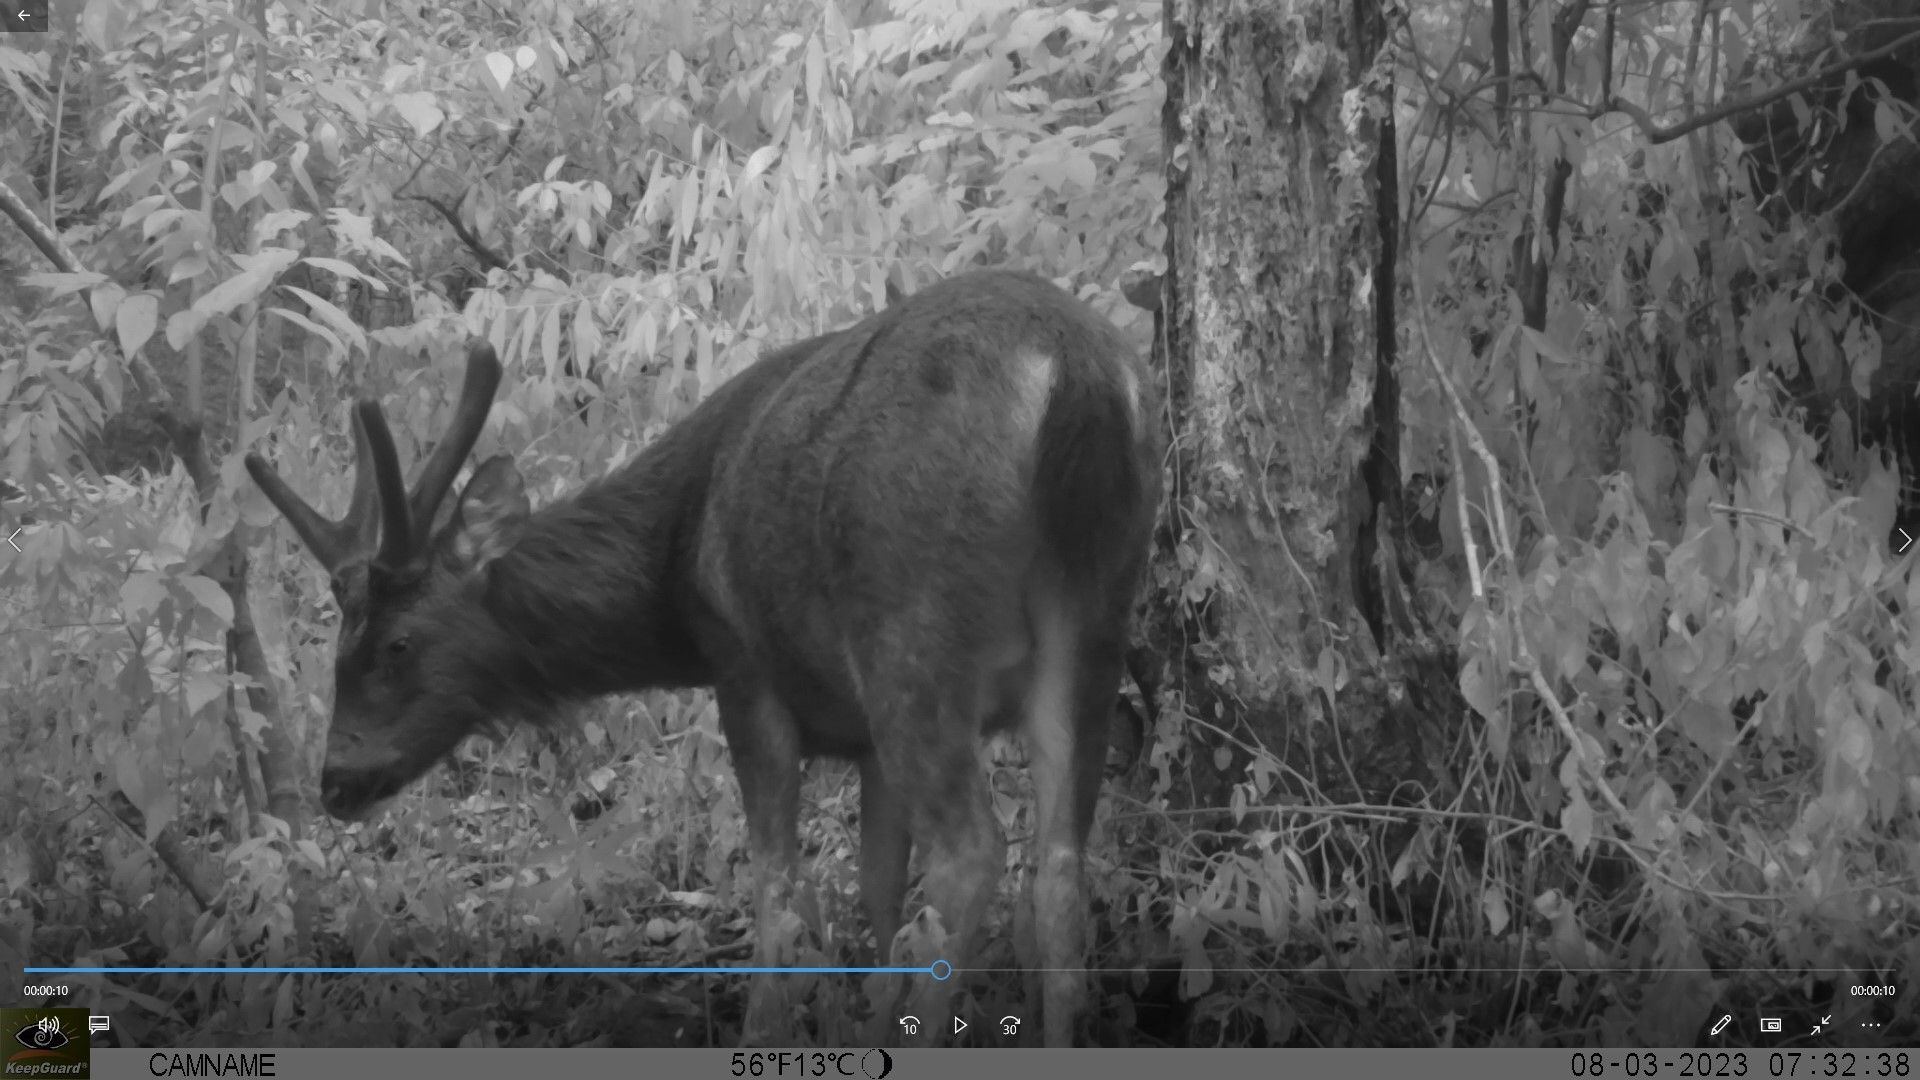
{"points": [[27, 17]]}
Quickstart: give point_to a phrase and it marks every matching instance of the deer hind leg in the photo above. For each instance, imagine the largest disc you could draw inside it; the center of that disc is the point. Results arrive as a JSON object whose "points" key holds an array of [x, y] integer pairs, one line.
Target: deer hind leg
{"points": [[928, 748], [965, 856], [1077, 669], [766, 761], [885, 845]]}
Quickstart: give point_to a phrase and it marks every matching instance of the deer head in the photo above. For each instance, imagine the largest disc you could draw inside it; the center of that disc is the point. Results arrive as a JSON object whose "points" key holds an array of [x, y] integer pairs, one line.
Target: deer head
{"points": [[415, 644]]}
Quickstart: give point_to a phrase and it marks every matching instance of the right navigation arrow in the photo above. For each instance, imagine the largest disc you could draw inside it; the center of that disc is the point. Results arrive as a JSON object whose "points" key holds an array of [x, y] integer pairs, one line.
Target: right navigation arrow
{"points": [[1906, 542]]}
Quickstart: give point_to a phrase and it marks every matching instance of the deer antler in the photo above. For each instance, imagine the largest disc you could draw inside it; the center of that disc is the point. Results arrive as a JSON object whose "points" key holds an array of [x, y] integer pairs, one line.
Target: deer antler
{"points": [[469, 416], [400, 521], [332, 542]]}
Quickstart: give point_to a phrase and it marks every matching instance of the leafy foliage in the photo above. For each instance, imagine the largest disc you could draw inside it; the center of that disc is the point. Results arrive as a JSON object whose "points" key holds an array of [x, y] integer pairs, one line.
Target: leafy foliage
{"points": [[1725, 692], [1713, 769], [629, 204]]}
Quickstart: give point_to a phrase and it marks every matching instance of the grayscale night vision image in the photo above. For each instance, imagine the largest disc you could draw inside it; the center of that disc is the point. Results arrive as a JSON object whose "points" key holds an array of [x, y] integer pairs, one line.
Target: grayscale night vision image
{"points": [[838, 537]]}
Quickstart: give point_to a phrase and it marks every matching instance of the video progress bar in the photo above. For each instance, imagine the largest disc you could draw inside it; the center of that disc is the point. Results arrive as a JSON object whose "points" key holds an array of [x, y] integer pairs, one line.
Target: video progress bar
{"points": [[939, 970]]}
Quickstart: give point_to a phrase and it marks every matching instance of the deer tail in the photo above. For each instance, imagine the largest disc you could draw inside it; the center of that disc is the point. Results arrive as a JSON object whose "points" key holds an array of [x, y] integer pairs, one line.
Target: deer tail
{"points": [[1090, 485]]}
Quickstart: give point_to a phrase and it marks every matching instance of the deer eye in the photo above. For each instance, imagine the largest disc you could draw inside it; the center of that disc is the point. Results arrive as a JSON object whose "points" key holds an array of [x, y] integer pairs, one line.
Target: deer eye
{"points": [[398, 646]]}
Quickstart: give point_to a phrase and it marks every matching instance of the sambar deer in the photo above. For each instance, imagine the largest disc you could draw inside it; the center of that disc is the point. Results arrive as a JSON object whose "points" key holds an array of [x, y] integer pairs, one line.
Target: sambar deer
{"points": [[881, 544]]}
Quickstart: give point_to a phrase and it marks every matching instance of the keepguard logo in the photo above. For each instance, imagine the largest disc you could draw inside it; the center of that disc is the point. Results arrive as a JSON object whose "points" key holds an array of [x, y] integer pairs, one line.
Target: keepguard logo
{"points": [[53, 1044]]}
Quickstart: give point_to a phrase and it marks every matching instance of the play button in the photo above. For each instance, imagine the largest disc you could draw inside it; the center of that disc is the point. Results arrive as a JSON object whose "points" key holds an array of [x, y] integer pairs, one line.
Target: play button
{"points": [[959, 1025]]}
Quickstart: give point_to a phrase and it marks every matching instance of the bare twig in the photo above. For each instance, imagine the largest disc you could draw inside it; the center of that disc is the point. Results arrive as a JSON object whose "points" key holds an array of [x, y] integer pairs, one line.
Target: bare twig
{"points": [[1773, 519], [1657, 134], [487, 256], [195, 873], [1523, 660], [17, 211]]}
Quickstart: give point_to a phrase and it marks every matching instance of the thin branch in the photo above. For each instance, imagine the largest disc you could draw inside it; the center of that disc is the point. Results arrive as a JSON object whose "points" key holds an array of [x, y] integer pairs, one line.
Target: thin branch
{"points": [[1656, 134], [1762, 515], [1502, 68], [488, 257], [196, 874], [16, 210], [1523, 661]]}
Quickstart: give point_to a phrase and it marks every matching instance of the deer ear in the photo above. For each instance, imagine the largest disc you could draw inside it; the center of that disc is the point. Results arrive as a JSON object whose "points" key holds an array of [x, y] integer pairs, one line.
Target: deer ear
{"points": [[488, 518]]}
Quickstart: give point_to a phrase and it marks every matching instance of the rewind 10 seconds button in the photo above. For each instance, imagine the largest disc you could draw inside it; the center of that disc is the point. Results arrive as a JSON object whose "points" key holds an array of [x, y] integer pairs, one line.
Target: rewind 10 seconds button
{"points": [[26, 16]]}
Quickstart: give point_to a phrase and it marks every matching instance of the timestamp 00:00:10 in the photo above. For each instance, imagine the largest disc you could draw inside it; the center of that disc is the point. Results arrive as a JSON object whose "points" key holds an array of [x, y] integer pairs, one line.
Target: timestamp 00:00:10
{"points": [[1735, 1064]]}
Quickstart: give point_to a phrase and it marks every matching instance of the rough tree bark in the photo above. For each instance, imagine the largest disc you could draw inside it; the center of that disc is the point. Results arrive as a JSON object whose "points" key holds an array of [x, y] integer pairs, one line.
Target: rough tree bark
{"points": [[1276, 348]]}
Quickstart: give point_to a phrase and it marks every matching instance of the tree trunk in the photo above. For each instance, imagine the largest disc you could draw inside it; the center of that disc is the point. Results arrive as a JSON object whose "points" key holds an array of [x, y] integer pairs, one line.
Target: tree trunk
{"points": [[1277, 353]]}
